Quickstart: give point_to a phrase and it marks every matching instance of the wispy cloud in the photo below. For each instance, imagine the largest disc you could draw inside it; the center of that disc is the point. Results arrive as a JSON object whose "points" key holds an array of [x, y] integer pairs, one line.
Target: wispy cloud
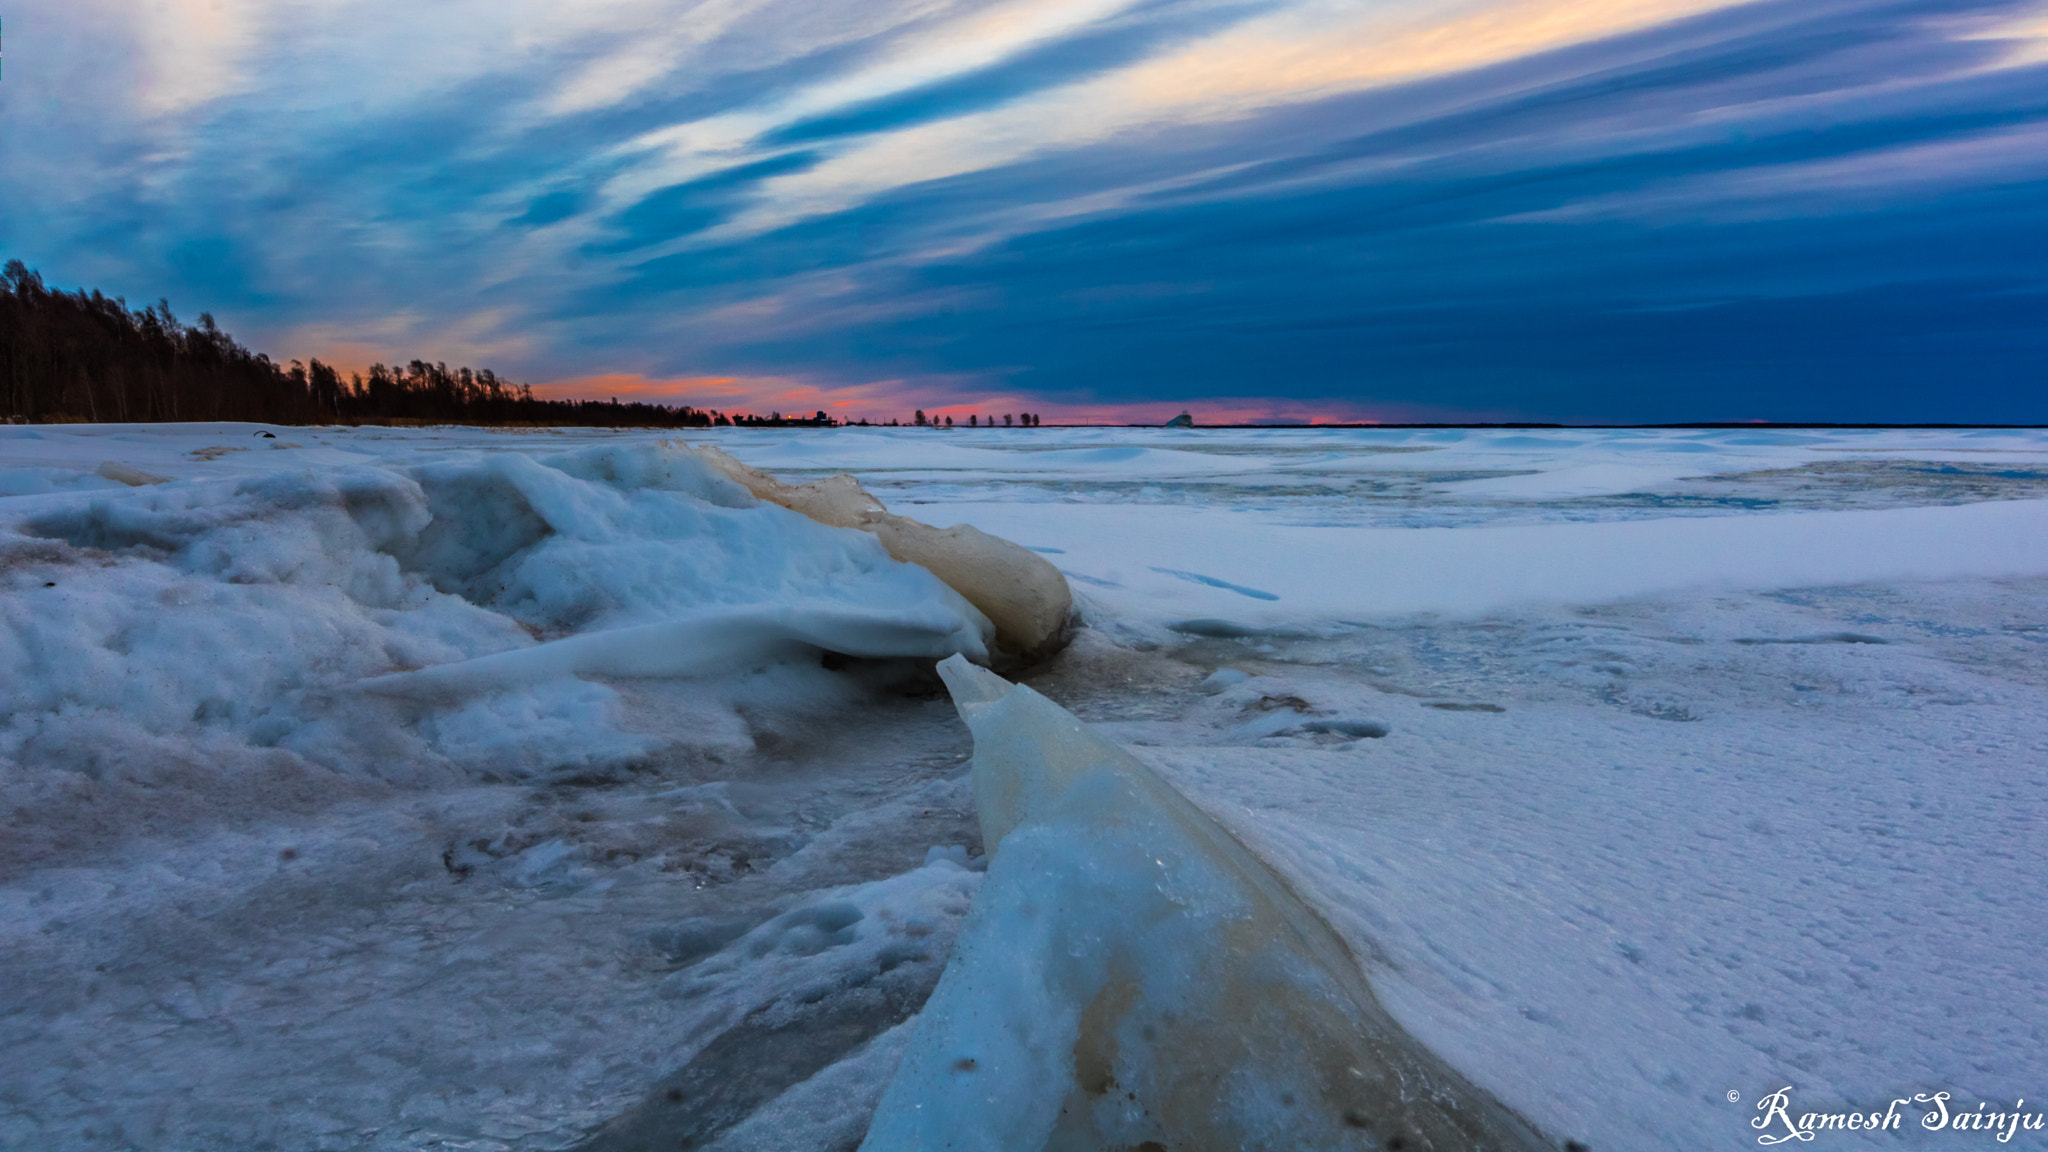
{"points": [[1621, 209]]}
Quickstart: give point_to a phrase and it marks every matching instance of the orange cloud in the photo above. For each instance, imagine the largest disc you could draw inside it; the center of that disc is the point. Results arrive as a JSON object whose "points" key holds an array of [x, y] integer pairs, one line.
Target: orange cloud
{"points": [[1286, 58]]}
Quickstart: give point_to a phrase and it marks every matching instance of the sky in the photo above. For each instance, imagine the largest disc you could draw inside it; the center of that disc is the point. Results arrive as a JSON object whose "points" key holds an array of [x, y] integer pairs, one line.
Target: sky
{"points": [[1591, 211]]}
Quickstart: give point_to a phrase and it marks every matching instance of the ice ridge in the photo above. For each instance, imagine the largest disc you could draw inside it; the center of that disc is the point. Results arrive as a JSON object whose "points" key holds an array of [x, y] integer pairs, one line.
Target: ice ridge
{"points": [[1131, 973]]}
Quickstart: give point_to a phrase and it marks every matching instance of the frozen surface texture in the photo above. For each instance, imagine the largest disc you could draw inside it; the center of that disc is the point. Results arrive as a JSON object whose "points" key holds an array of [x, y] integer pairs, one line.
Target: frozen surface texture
{"points": [[1020, 592], [242, 615], [1133, 975], [371, 781], [401, 789]]}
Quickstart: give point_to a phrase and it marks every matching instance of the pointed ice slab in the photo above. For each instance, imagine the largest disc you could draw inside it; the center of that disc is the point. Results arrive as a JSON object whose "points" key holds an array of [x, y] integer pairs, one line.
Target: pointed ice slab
{"points": [[1131, 973], [697, 646]]}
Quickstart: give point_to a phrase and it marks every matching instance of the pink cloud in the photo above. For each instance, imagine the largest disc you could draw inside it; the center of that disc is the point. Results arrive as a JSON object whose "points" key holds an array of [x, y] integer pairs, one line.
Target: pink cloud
{"points": [[883, 400]]}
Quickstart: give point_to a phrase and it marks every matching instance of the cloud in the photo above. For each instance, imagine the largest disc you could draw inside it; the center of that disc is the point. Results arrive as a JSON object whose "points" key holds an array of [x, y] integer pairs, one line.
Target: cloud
{"points": [[1595, 210], [695, 205], [1051, 64]]}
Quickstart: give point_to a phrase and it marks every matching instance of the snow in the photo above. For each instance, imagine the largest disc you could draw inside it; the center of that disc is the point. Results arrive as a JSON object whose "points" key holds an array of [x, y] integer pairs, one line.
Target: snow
{"points": [[450, 781], [1174, 563], [1615, 863]]}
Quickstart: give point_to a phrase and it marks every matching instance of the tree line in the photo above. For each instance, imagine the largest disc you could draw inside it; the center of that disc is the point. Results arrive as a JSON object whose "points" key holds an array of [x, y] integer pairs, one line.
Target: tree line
{"points": [[81, 356], [1027, 420]]}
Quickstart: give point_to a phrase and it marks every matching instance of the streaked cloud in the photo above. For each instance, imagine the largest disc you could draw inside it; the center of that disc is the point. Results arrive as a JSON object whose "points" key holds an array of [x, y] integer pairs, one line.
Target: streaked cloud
{"points": [[1620, 209]]}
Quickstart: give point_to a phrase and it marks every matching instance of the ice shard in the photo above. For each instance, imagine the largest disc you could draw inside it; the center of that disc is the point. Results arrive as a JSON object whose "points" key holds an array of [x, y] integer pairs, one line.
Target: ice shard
{"points": [[697, 646], [1133, 977]]}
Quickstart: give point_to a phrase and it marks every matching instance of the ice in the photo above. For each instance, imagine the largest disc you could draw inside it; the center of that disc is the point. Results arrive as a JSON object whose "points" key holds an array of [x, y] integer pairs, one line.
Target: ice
{"points": [[347, 771], [38, 481], [252, 611], [1132, 974], [122, 474], [1422, 477], [858, 962], [1024, 596], [1710, 763], [605, 537], [695, 648], [484, 965], [1251, 573]]}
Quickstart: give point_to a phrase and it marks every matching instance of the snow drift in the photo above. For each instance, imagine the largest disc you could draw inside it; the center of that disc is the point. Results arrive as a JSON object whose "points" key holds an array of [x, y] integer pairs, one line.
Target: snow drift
{"points": [[1131, 973]]}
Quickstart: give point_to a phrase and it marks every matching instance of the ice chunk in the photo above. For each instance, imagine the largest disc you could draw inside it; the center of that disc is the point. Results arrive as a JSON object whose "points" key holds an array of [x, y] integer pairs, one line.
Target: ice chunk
{"points": [[1132, 973], [132, 477], [246, 610], [1223, 679], [698, 646], [1021, 593]]}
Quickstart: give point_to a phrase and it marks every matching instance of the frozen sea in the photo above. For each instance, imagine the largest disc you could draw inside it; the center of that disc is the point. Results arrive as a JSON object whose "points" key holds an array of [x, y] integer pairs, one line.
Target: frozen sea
{"points": [[1645, 773]]}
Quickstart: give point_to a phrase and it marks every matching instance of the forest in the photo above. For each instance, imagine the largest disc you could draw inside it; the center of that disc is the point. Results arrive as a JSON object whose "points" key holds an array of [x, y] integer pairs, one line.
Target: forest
{"points": [[72, 357]]}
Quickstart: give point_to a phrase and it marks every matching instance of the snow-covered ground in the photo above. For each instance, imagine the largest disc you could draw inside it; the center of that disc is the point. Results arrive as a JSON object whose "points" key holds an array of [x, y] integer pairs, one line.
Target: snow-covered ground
{"points": [[1639, 767]]}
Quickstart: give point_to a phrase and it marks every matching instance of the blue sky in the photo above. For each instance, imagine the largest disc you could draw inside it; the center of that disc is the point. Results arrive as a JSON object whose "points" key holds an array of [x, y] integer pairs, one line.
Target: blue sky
{"points": [[1602, 210]]}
